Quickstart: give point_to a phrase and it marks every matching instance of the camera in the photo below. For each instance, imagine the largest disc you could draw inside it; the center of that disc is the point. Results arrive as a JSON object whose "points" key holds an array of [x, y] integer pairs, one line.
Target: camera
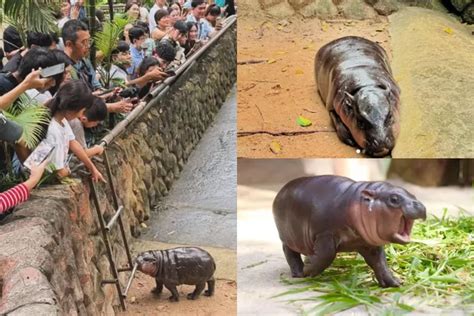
{"points": [[130, 92]]}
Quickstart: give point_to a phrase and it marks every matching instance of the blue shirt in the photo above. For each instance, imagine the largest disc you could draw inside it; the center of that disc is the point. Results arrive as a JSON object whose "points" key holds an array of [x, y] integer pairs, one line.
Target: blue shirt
{"points": [[137, 58]]}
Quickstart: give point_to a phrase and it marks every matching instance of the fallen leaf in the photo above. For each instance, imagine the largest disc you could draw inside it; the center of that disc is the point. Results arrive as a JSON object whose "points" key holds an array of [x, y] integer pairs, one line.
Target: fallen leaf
{"points": [[271, 61], [281, 52], [284, 69], [143, 225], [448, 30], [324, 26], [275, 147], [299, 71], [303, 121], [133, 299]]}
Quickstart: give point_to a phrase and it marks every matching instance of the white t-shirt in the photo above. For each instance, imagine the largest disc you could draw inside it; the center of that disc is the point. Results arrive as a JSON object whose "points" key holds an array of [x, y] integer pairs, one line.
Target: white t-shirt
{"points": [[78, 130], [59, 135], [143, 14]]}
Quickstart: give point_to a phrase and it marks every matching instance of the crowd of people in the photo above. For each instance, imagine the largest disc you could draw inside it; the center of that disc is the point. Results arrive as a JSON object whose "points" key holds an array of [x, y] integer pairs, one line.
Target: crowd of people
{"points": [[155, 43]]}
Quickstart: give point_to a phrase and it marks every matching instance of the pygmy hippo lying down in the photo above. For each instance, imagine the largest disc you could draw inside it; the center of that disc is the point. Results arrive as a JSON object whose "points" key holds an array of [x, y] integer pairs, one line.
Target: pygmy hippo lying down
{"points": [[183, 265], [320, 216]]}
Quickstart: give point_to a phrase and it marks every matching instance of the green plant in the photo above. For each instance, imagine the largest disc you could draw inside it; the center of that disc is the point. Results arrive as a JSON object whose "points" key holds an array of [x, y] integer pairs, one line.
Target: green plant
{"points": [[31, 116], [436, 269], [29, 15], [106, 41]]}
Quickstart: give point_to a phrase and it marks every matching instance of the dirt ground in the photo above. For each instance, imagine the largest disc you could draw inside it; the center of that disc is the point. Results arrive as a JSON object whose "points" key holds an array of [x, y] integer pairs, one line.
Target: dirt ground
{"points": [[141, 301], [280, 87]]}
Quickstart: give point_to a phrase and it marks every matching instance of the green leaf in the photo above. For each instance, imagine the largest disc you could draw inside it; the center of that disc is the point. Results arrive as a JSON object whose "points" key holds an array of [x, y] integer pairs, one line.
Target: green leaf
{"points": [[303, 121], [406, 307], [31, 116]]}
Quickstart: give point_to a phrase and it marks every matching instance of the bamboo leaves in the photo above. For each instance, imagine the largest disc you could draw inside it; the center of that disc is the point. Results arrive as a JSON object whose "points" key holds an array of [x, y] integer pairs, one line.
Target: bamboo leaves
{"points": [[437, 274]]}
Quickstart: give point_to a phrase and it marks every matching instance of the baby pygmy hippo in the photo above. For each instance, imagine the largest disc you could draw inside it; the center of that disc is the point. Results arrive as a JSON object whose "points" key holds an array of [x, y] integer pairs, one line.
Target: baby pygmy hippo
{"points": [[182, 265], [321, 216]]}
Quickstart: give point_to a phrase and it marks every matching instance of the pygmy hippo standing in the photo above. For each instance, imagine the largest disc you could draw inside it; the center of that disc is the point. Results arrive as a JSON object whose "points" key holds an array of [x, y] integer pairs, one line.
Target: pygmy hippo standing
{"points": [[183, 265], [320, 216]]}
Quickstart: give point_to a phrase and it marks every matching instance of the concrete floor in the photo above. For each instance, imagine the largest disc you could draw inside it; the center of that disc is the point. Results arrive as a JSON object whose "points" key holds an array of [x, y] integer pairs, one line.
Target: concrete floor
{"points": [[201, 206], [260, 257]]}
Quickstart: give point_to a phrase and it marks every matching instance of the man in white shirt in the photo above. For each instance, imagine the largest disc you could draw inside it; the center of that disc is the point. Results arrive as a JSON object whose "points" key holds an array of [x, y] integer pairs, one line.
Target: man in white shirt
{"points": [[159, 5]]}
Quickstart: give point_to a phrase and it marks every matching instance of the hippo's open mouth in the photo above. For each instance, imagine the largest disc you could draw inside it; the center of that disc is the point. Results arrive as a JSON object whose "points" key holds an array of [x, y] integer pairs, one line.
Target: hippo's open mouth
{"points": [[404, 230]]}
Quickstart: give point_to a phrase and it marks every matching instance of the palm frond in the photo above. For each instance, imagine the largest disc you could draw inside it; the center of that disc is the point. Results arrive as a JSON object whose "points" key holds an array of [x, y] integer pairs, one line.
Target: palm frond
{"points": [[106, 40], [30, 15], [31, 116]]}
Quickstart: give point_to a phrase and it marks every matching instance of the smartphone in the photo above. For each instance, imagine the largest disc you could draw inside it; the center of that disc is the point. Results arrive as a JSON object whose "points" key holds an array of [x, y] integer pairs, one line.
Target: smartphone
{"points": [[39, 155], [48, 155], [52, 71]]}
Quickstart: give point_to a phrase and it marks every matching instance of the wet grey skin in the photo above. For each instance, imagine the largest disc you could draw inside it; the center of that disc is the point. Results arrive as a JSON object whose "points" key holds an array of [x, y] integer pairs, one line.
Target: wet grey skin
{"points": [[182, 265], [321, 216], [355, 82]]}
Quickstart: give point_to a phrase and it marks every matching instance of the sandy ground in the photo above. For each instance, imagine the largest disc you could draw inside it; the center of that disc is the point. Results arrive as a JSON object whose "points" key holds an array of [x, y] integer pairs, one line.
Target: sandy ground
{"points": [[141, 301], [273, 94], [260, 257], [432, 61]]}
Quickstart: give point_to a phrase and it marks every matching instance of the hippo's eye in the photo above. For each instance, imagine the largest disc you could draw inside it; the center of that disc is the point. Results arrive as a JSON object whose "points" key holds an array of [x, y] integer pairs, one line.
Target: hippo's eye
{"points": [[394, 199], [362, 124]]}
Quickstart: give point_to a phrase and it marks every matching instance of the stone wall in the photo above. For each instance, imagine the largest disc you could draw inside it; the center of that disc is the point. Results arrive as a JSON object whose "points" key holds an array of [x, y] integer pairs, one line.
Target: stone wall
{"points": [[52, 257], [335, 9]]}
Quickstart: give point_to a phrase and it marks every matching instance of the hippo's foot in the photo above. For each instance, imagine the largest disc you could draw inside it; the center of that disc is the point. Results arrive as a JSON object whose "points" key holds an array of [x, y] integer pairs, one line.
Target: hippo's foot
{"points": [[375, 258], [294, 261], [174, 292], [390, 282], [158, 289], [342, 131], [197, 291], [210, 287], [192, 296]]}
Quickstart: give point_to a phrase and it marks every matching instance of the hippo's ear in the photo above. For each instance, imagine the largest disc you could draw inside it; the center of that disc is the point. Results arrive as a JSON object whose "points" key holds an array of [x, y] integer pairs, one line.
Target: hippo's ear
{"points": [[368, 195]]}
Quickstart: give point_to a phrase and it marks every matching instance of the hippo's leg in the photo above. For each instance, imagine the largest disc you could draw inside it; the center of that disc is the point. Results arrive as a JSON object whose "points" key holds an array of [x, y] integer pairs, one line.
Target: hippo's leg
{"points": [[324, 254], [375, 258], [199, 287], [294, 261], [341, 130], [158, 289], [174, 292], [210, 287]]}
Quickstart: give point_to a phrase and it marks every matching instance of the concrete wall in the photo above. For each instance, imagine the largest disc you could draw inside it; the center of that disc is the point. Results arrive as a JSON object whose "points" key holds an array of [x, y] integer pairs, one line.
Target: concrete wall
{"points": [[52, 257]]}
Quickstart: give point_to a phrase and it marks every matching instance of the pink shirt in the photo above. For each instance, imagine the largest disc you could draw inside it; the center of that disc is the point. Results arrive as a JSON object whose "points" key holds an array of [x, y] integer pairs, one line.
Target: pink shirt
{"points": [[12, 197]]}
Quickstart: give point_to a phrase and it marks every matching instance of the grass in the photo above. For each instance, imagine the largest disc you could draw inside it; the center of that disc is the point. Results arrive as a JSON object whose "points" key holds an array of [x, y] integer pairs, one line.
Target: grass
{"points": [[436, 269]]}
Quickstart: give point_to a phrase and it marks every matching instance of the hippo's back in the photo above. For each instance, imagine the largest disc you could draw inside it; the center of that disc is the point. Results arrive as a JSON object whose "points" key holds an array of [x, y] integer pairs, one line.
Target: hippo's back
{"points": [[305, 207], [194, 265], [352, 61]]}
